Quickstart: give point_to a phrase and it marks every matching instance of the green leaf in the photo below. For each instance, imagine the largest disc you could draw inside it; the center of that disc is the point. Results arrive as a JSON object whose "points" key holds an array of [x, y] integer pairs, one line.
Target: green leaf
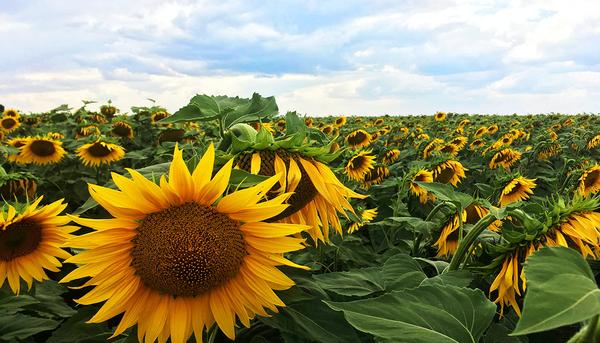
{"points": [[253, 110], [11, 304], [51, 303], [201, 107], [446, 192], [75, 329], [20, 326], [422, 315], [243, 179], [359, 282], [561, 290]]}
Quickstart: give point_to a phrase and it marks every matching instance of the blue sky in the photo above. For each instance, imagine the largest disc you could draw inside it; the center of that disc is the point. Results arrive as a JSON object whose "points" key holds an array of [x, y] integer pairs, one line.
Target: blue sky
{"points": [[317, 57]]}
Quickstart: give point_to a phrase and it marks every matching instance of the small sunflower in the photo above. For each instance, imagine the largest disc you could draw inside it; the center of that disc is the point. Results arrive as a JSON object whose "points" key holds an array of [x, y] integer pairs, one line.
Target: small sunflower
{"points": [[9, 124], [375, 136], [450, 172], [179, 257], [549, 151], [40, 150], [481, 131], [99, 152], [108, 111], [391, 156], [87, 130], [378, 121], [505, 158], [431, 147], [460, 142], [308, 122], [31, 241], [440, 116], [156, 116], [359, 165], [55, 135], [11, 112], [589, 182], [122, 129], [340, 121], [517, 189], [478, 143], [492, 129], [450, 149], [366, 216], [266, 125], [358, 139], [328, 129], [375, 176], [17, 143], [421, 176]]}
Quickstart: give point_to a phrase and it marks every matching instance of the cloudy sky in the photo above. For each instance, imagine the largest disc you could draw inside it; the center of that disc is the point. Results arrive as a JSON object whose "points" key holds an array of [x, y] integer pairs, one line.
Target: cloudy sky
{"points": [[317, 57]]}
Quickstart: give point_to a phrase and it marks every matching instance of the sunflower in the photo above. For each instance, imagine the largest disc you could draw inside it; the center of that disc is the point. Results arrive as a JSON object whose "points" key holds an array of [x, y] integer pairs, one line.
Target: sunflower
{"points": [[55, 135], [9, 124], [328, 129], [334, 147], [375, 136], [366, 216], [481, 131], [391, 156], [431, 147], [375, 176], [318, 194], [579, 230], [460, 142], [517, 189], [40, 150], [449, 171], [447, 243], [17, 187], [31, 241], [594, 142], [358, 139], [108, 111], [450, 149], [421, 176], [505, 158], [359, 165], [340, 121], [549, 151], [99, 152], [463, 123], [378, 121], [11, 112], [440, 116], [267, 126], [492, 129], [478, 143], [156, 116], [17, 143], [589, 182], [507, 282], [179, 257], [308, 122], [87, 130], [122, 129]]}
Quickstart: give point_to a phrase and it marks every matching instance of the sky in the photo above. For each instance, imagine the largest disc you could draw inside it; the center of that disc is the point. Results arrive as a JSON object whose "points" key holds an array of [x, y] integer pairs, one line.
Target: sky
{"points": [[338, 57]]}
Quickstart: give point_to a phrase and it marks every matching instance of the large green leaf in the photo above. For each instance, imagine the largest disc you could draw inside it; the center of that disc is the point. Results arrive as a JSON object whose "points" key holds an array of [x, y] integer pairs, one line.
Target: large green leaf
{"points": [[201, 107], [446, 192], [75, 329], [422, 315], [561, 290], [255, 109], [20, 326]]}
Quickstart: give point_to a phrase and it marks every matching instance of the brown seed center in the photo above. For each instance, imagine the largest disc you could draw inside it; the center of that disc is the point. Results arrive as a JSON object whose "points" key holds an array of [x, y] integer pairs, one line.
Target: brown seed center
{"points": [[187, 250], [121, 130], [445, 175], [99, 150], [8, 123], [19, 239], [43, 148]]}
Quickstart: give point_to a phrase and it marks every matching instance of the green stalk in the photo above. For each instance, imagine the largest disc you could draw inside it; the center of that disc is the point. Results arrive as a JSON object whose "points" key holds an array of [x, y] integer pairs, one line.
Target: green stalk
{"points": [[417, 242], [590, 333], [466, 243]]}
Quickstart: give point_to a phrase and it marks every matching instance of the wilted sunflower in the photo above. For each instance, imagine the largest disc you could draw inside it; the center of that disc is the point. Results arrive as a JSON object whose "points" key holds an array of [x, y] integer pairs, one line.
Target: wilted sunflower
{"points": [[391, 156], [18, 185], [17, 143], [447, 242], [359, 165], [517, 189], [108, 111], [122, 129], [366, 216], [178, 257], [9, 124], [340, 121], [11, 112], [156, 116], [505, 158], [589, 182], [358, 139], [507, 282], [318, 194], [421, 176], [99, 152], [549, 151], [375, 176], [440, 116], [30, 241], [40, 150], [449, 171]]}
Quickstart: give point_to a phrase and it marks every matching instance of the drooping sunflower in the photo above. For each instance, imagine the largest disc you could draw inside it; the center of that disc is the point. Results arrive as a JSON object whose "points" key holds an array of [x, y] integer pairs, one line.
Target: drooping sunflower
{"points": [[9, 124], [358, 139], [378, 121], [340, 121], [30, 241], [391, 156], [449, 171], [505, 158], [589, 182], [327, 129], [440, 116], [431, 147], [375, 176], [593, 142], [549, 151], [100, 152], [318, 194], [41, 150], [579, 230], [55, 135], [421, 176], [122, 129], [359, 165], [179, 257], [87, 130], [460, 142], [18, 185], [506, 283], [308, 122], [517, 189], [366, 216]]}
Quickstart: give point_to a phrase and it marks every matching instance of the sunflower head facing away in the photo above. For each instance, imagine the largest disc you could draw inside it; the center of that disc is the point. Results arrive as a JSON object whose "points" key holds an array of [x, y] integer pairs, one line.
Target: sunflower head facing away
{"points": [[375, 176], [449, 171], [440, 116], [505, 158], [99, 152], [358, 139], [41, 150], [180, 256], [18, 185], [517, 189], [589, 182], [122, 129], [30, 241], [359, 165], [9, 124]]}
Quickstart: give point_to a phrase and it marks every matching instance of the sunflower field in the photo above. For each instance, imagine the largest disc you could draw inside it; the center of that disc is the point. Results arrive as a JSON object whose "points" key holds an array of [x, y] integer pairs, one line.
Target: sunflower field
{"points": [[229, 221]]}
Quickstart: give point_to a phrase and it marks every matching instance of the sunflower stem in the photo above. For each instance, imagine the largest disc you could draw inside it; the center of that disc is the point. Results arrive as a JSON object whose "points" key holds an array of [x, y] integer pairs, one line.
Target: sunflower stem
{"points": [[466, 243], [417, 241], [590, 333]]}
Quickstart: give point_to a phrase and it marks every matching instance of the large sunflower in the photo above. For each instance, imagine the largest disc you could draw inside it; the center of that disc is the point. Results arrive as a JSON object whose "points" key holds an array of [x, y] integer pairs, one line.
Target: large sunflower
{"points": [[31, 241], [179, 256], [589, 182], [505, 158], [318, 194], [40, 150], [358, 139], [99, 152], [359, 165], [9, 124], [421, 176], [594, 142], [579, 230], [449, 171], [517, 189]]}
